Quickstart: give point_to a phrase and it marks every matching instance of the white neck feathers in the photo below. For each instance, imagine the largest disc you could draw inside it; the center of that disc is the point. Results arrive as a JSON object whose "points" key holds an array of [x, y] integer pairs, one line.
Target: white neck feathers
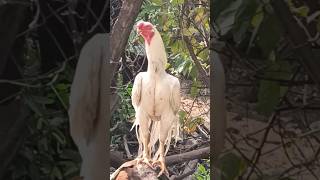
{"points": [[156, 54]]}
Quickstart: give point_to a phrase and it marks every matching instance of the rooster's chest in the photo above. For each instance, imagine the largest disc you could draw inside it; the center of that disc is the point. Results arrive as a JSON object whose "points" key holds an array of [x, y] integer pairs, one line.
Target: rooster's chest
{"points": [[155, 96]]}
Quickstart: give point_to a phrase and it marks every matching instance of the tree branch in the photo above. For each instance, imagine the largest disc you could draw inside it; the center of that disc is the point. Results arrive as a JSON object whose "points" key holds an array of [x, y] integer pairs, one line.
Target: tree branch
{"points": [[187, 156], [202, 72]]}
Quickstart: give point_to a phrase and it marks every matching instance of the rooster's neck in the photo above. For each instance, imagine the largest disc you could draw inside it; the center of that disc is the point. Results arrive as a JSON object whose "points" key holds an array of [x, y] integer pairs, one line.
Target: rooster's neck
{"points": [[156, 55], [155, 68]]}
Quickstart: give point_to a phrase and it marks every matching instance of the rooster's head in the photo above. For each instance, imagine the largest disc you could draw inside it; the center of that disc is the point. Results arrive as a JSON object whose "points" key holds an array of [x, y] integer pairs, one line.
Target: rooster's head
{"points": [[146, 30]]}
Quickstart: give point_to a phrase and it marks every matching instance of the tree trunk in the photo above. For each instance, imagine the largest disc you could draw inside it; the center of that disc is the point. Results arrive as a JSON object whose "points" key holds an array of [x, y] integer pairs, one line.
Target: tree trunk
{"points": [[122, 29]]}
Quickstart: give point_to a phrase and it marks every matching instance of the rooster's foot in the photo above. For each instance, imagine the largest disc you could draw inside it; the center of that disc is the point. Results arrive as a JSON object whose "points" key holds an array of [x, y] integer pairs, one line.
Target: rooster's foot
{"points": [[162, 167], [144, 160]]}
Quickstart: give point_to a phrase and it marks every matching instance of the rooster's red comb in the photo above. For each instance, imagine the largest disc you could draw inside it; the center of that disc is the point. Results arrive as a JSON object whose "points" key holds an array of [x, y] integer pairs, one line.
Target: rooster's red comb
{"points": [[142, 24]]}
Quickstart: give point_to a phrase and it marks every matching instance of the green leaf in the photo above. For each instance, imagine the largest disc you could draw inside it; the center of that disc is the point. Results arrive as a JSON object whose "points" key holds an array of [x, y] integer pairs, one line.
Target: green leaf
{"points": [[59, 137], [176, 2], [194, 88], [200, 14], [186, 67], [62, 86], [268, 96], [189, 31], [243, 17], [202, 173], [193, 72], [226, 19], [180, 67], [270, 92], [204, 55], [177, 47], [57, 121], [42, 100], [219, 6], [258, 17], [182, 116], [157, 2], [43, 144], [302, 11], [56, 173], [268, 34], [231, 165], [33, 106]]}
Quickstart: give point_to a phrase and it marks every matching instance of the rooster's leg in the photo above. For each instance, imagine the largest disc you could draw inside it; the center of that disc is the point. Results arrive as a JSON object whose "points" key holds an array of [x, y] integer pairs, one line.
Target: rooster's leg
{"points": [[164, 129], [146, 151], [161, 160], [145, 135]]}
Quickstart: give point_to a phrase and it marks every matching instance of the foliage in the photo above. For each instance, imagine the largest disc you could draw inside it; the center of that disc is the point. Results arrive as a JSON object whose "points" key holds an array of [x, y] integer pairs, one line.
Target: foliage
{"points": [[252, 27], [255, 40], [123, 114], [48, 151], [189, 124], [203, 171], [231, 166]]}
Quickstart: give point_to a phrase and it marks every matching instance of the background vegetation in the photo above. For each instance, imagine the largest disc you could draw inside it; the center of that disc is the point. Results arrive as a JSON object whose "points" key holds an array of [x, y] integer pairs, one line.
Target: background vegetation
{"points": [[268, 48]]}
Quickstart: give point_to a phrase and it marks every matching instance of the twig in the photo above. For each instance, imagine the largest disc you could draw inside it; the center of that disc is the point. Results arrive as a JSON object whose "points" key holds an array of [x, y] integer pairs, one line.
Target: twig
{"points": [[256, 156], [59, 97], [19, 83], [199, 128], [183, 176], [102, 15], [189, 170], [255, 167], [297, 36], [11, 96], [115, 126], [125, 142], [195, 154], [45, 18], [32, 25]]}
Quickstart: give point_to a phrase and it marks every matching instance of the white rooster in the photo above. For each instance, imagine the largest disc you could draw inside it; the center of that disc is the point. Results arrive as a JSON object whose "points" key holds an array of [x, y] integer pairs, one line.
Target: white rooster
{"points": [[156, 100]]}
